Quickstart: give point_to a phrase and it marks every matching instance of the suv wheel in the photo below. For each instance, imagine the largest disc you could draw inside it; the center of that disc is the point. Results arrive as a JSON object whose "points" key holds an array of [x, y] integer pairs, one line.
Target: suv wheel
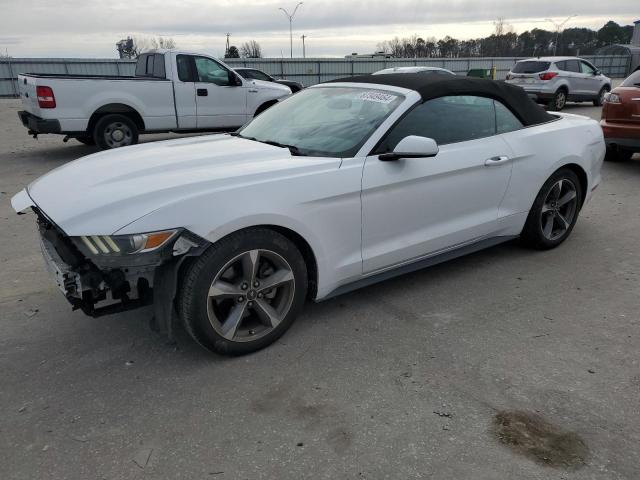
{"points": [[243, 292], [599, 100], [558, 101]]}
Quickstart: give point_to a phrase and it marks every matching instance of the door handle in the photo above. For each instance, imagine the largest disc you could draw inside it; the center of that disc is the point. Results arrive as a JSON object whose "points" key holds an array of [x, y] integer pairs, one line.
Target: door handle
{"points": [[493, 161], [202, 92], [252, 90]]}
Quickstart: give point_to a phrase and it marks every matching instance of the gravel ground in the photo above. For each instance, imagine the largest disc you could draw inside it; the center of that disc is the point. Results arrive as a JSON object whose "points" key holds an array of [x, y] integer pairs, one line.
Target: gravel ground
{"points": [[401, 380]]}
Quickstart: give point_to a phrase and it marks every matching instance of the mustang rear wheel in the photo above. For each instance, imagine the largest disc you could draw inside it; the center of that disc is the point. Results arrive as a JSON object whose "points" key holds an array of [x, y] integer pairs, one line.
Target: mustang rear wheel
{"points": [[554, 212], [244, 292]]}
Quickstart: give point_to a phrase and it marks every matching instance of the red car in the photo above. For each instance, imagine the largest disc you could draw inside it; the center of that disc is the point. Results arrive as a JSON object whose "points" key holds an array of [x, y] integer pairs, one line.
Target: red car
{"points": [[621, 119]]}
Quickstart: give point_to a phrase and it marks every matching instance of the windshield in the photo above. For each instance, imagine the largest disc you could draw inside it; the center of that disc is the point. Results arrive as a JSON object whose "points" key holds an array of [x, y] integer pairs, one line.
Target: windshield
{"points": [[531, 67], [326, 121], [633, 80]]}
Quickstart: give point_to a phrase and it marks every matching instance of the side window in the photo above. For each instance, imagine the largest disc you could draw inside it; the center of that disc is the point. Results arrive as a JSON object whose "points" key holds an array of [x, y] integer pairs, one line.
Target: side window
{"points": [[562, 66], [587, 69], [149, 68], [572, 66], [248, 74], [506, 121], [258, 75], [447, 120], [158, 66], [210, 71], [185, 73]]}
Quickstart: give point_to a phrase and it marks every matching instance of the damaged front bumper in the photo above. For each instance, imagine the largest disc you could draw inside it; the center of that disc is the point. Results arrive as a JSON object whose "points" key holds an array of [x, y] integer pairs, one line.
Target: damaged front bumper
{"points": [[102, 286]]}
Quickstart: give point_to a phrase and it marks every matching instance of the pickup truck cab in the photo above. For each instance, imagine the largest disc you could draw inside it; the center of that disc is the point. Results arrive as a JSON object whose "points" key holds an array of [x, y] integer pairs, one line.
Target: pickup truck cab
{"points": [[171, 91]]}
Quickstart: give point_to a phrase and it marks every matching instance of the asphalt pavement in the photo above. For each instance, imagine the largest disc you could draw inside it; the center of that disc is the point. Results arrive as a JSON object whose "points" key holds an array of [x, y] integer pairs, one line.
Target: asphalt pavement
{"points": [[401, 380]]}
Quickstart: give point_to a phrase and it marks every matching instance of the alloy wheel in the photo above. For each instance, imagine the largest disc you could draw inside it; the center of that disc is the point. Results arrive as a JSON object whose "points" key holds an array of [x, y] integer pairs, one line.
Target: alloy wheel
{"points": [[250, 295], [559, 209], [561, 100]]}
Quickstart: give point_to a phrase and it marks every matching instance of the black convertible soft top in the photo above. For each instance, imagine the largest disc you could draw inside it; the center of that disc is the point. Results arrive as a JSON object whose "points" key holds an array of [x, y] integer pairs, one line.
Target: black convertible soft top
{"points": [[435, 86]]}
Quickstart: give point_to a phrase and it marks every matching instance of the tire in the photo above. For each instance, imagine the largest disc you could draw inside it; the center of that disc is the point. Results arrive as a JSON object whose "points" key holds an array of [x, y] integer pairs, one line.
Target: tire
{"points": [[559, 100], [86, 140], [115, 130], [599, 100], [548, 207], [618, 155], [218, 289]]}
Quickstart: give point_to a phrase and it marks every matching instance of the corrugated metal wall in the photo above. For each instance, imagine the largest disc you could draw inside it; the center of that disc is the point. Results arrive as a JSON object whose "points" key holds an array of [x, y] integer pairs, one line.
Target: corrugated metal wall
{"points": [[306, 70]]}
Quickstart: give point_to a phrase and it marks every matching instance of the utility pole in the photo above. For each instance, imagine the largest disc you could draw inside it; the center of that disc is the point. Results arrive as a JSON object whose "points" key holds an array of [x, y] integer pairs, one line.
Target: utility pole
{"points": [[304, 52], [290, 17], [558, 30], [226, 49]]}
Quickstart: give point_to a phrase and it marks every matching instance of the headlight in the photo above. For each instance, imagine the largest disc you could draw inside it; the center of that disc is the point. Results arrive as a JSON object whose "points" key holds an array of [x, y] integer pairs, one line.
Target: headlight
{"points": [[612, 98], [120, 245]]}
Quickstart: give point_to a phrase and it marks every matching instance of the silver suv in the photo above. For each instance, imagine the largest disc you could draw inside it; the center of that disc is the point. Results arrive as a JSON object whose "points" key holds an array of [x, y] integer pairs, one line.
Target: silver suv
{"points": [[556, 80]]}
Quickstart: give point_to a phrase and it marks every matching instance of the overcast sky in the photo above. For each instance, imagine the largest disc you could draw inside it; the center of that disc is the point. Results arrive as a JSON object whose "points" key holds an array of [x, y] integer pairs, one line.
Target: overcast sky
{"points": [[90, 28]]}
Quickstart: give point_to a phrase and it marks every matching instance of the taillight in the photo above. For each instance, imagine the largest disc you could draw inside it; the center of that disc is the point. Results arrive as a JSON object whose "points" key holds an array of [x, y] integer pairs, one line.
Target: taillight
{"points": [[46, 99], [547, 75], [612, 98]]}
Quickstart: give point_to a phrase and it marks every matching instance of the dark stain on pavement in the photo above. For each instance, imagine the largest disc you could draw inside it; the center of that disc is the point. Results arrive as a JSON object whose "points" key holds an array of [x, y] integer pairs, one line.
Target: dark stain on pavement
{"points": [[534, 437]]}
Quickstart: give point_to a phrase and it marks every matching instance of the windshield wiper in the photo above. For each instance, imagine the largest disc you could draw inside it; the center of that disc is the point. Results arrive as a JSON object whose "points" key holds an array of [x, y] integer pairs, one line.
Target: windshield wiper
{"points": [[292, 148]]}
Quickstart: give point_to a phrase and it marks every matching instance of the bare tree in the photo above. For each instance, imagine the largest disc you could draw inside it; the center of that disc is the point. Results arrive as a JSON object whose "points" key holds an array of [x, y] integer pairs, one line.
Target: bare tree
{"points": [[251, 49], [501, 27], [133, 47]]}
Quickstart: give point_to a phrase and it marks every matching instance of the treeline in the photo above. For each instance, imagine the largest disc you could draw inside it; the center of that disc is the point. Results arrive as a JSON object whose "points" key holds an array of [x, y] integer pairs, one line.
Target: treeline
{"points": [[504, 42]]}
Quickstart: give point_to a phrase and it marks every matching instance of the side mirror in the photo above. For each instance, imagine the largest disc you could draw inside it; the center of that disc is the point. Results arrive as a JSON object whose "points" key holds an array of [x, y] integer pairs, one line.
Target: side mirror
{"points": [[234, 80], [412, 147]]}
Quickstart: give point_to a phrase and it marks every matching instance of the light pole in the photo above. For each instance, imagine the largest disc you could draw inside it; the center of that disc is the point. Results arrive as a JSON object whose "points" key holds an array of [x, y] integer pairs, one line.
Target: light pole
{"points": [[304, 52], [290, 17], [558, 29]]}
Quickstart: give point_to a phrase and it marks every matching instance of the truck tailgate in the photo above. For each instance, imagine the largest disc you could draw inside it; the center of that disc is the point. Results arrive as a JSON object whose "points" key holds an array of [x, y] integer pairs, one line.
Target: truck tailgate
{"points": [[27, 89]]}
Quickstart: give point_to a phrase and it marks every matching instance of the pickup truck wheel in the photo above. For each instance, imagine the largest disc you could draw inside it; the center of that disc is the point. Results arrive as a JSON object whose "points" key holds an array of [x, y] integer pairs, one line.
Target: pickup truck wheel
{"points": [[86, 140], [554, 212], [243, 292], [558, 101], [113, 131]]}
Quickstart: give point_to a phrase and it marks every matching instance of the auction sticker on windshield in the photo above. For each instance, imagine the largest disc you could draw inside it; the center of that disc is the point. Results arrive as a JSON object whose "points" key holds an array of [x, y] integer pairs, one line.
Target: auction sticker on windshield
{"points": [[378, 97]]}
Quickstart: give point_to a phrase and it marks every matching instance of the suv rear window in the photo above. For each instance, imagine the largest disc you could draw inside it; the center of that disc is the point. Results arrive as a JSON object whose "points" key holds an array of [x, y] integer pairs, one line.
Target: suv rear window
{"points": [[632, 80], [531, 67]]}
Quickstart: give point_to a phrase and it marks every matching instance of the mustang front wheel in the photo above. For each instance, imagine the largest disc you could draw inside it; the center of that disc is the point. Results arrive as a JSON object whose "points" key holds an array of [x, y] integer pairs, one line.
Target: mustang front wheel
{"points": [[244, 292]]}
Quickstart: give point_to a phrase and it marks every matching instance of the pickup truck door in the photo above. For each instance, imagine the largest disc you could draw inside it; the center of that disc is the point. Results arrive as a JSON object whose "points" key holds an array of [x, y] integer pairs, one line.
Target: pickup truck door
{"points": [[221, 98], [184, 88]]}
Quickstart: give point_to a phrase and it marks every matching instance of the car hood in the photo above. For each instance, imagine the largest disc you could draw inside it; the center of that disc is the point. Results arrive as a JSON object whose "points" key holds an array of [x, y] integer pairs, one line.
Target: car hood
{"points": [[102, 193], [278, 87]]}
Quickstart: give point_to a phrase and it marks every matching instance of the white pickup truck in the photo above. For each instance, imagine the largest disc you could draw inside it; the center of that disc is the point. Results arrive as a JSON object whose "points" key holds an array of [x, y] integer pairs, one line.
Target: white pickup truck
{"points": [[170, 92]]}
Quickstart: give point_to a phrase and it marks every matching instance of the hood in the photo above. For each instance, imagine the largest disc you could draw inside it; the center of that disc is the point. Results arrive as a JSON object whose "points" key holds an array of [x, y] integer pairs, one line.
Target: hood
{"points": [[101, 193], [272, 86]]}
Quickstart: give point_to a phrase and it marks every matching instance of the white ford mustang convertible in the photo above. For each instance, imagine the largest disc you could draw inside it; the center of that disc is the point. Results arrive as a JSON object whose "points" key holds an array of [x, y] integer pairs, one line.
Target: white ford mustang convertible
{"points": [[344, 184]]}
